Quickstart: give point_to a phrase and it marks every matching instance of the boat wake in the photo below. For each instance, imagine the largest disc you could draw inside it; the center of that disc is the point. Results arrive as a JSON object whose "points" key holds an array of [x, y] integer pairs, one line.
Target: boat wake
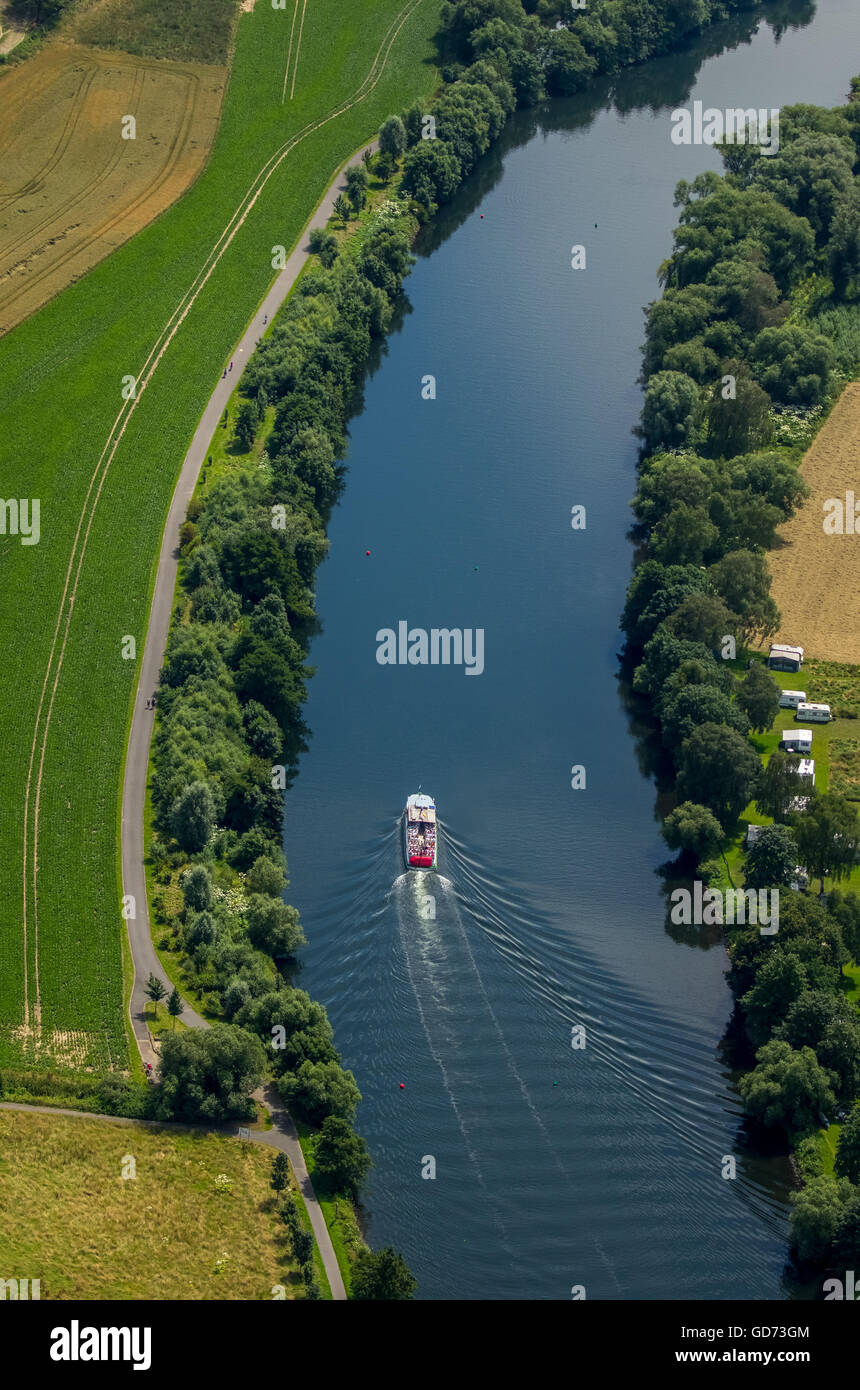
{"points": [[651, 1056]]}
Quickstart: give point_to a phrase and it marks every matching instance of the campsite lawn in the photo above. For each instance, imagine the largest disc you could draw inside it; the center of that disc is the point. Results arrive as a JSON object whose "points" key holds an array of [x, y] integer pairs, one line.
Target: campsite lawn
{"points": [[60, 390], [175, 1231]]}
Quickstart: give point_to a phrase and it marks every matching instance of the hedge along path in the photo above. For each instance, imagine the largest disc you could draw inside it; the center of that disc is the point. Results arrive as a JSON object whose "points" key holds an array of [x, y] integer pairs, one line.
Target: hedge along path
{"points": [[33, 788]]}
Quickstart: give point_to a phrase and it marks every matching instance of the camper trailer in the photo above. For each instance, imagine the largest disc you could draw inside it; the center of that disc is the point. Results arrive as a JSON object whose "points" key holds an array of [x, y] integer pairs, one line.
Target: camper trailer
{"points": [[796, 741], [790, 699], [783, 658], [816, 714], [806, 768]]}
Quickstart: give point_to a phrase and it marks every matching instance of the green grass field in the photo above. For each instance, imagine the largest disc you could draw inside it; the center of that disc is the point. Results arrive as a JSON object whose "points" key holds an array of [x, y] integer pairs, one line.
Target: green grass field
{"points": [[177, 1230], [67, 695]]}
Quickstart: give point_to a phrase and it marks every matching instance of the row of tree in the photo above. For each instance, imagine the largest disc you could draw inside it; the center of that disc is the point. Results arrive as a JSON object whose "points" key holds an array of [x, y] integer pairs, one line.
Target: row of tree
{"points": [[731, 335]]}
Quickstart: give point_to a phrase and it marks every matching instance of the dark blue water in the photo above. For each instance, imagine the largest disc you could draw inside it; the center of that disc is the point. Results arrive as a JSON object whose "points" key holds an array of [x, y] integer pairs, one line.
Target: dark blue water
{"points": [[554, 1166]]}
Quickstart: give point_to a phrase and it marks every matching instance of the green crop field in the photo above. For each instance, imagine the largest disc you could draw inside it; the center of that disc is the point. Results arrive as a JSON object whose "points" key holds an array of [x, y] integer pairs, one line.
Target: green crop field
{"points": [[165, 309]]}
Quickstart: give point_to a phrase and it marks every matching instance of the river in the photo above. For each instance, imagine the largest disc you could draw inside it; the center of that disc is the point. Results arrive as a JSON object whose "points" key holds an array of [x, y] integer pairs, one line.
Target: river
{"points": [[555, 1166]]}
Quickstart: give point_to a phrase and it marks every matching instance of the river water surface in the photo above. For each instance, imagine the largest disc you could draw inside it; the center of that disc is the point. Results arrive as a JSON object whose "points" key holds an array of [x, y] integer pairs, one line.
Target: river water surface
{"points": [[555, 1166]]}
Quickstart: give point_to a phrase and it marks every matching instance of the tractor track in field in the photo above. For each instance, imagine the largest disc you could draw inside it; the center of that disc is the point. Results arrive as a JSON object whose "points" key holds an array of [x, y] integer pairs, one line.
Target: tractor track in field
{"points": [[36, 763], [289, 53], [78, 101]]}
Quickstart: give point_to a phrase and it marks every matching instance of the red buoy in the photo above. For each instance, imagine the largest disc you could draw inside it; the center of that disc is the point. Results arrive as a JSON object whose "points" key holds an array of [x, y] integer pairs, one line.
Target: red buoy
{"points": [[367, 552], [402, 1086]]}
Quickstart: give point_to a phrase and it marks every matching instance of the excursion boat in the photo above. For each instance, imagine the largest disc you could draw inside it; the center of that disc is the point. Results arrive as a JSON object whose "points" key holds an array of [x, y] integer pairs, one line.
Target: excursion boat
{"points": [[419, 832]]}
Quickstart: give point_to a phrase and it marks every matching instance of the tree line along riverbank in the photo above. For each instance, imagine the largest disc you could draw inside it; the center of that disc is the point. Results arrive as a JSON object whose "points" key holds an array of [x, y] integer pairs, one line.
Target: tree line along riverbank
{"points": [[756, 333]]}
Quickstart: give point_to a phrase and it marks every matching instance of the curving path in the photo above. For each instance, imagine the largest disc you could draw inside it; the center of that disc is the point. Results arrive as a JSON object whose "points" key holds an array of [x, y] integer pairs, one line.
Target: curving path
{"points": [[143, 953]]}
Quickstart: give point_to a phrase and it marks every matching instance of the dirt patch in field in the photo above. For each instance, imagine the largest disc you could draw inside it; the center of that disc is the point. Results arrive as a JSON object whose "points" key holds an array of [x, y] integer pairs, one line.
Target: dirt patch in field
{"points": [[72, 188], [40, 1045], [816, 577]]}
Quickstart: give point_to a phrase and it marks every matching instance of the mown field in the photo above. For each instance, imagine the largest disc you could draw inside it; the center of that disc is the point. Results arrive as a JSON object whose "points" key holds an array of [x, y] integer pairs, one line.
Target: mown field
{"points": [[198, 1222], [67, 603]]}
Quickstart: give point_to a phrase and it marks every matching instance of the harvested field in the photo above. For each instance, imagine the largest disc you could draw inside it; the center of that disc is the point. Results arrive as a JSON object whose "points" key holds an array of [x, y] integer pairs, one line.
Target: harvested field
{"points": [[816, 576], [71, 188]]}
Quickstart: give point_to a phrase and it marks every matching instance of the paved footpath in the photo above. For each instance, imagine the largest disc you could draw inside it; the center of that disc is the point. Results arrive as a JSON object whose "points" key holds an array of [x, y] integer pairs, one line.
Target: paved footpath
{"points": [[145, 960]]}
